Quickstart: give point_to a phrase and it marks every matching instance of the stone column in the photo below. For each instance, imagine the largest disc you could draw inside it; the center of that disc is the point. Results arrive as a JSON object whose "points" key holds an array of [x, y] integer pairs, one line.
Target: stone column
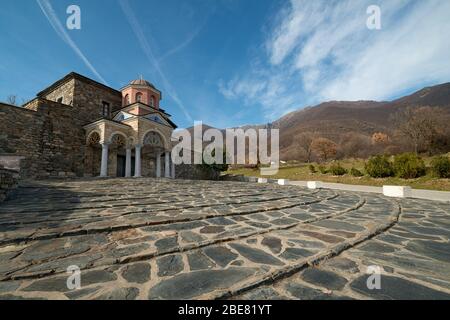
{"points": [[137, 166], [167, 167], [128, 163], [172, 169], [104, 163], [158, 164]]}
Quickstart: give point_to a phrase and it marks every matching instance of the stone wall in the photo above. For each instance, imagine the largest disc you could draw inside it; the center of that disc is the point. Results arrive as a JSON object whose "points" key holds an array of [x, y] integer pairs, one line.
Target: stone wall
{"points": [[238, 178], [49, 136], [88, 99], [196, 172], [85, 95], [63, 141], [66, 91], [93, 156], [8, 183], [45, 138], [19, 128]]}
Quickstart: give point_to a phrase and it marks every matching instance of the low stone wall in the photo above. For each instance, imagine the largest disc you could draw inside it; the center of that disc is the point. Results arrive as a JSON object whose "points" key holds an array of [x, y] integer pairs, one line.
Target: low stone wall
{"points": [[10, 162], [9, 180], [196, 172], [242, 178], [238, 178]]}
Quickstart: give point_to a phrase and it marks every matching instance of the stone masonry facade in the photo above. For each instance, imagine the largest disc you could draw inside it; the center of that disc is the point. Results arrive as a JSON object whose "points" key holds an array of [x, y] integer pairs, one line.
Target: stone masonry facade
{"points": [[8, 183], [78, 127], [48, 134]]}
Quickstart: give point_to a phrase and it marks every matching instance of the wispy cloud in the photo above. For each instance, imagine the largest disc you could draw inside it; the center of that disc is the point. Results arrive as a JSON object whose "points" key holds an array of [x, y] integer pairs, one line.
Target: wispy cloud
{"points": [[146, 47], [54, 21], [191, 36], [321, 50]]}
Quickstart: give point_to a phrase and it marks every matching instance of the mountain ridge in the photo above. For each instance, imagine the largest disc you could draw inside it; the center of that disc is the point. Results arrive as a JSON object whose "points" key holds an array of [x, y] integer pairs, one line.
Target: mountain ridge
{"points": [[335, 119]]}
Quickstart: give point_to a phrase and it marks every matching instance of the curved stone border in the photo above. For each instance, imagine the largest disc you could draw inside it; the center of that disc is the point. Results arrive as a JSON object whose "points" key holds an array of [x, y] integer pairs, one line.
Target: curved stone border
{"points": [[74, 218], [412, 193], [314, 260], [186, 248], [154, 223]]}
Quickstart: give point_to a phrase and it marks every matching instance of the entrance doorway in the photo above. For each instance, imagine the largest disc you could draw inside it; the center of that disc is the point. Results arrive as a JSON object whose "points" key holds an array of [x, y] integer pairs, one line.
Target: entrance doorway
{"points": [[121, 164]]}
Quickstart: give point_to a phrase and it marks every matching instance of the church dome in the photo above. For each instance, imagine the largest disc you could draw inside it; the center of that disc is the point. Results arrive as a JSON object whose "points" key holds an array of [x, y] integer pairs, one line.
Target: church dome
{"points": [[142, 82]]}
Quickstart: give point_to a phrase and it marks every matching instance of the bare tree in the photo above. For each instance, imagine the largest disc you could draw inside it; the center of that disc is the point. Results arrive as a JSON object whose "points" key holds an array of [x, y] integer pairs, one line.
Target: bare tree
{"points": [[304, 140], [324, 148], [420, 125], [354, 144]]}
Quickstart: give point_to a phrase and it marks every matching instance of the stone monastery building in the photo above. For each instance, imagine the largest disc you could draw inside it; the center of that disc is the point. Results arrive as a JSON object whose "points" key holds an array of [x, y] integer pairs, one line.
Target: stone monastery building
{"points": [[80, 127]]}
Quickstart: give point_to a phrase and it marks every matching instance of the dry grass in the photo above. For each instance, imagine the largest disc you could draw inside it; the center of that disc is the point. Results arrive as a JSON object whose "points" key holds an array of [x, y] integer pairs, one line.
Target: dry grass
{"points": [[301, 172]]}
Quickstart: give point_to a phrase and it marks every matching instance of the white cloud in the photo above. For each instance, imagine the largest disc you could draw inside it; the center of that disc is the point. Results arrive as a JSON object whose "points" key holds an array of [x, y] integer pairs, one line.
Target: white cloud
{"points": [[409, 53], [264, 88], [51, 16], [322, 50], [295, 24]]}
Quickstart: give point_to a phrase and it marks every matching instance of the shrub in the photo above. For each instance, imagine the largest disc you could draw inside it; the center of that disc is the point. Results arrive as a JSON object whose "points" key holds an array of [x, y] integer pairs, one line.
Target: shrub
{"points": [[337, 170], [322, 169], [379, 167], [356, 173], [440, 166], [409, 166], [312, 169]]}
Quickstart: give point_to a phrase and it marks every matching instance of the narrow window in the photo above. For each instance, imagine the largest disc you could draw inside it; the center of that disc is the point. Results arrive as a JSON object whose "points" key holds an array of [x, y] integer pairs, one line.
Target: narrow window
{"points": [[127, 99], [138, 97], [152, 101], [106, 109], [60, 100]]}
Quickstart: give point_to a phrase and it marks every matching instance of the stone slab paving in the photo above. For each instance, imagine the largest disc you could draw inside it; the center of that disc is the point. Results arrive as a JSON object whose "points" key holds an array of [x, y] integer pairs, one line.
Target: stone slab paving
{"points": [[165, 239]]}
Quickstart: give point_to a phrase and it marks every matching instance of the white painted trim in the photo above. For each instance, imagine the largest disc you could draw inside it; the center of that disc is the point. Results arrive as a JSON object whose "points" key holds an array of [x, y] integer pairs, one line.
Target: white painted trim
{"points": [[283, 182], [105, 121], [119, 133], [154, 122], [166, 145], [140, 105], [314, 185], [130, 116], [164, 122], [416, 193], [397, 191]]}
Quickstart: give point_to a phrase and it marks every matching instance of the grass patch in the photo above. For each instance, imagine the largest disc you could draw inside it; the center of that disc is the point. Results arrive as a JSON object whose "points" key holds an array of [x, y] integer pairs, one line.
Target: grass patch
{"points": [[301, 172]]}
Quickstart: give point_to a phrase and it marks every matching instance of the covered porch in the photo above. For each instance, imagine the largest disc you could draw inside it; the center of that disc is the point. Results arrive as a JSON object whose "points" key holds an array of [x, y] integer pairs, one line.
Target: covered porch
{"points": [[122, 150]]}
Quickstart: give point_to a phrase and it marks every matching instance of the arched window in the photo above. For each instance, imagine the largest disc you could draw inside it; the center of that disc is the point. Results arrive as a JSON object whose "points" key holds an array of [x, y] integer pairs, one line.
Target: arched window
{"points": [[94, 139], [127, 99], [138, 97], [153, 139], [152, 101]]}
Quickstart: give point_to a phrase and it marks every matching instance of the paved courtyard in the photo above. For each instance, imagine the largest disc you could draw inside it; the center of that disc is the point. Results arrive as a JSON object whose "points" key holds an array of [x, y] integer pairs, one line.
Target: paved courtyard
{"points": [[165, 239]]}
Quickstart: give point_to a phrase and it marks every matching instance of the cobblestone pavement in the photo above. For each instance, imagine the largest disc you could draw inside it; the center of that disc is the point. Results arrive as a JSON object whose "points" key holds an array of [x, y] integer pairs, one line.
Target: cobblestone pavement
{"points": [[165, 239]]}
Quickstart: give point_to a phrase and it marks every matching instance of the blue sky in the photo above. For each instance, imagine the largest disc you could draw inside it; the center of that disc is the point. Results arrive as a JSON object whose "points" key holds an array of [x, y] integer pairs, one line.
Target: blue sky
{"points": [[229, 62]]}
